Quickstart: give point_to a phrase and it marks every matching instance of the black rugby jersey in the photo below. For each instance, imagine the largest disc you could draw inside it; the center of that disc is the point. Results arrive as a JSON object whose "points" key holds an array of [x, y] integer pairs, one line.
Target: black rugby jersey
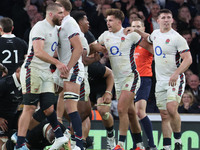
{"points": [[12, 50]]}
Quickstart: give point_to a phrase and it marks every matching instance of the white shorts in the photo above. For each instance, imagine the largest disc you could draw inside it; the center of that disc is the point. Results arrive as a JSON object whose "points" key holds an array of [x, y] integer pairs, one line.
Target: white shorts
{"points": [[36, 81], [165, 93], [73, 77], [84, 90], [130, 83]]}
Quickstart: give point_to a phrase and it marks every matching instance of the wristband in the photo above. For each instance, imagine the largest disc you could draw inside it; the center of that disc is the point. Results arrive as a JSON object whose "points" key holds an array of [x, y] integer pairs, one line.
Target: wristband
{"points": [[59, 118], [109, 92]]}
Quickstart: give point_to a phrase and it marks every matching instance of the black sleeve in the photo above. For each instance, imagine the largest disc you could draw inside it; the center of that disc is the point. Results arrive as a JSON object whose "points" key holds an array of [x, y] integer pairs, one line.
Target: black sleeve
{"points": [[3, 87], [90, 37]]}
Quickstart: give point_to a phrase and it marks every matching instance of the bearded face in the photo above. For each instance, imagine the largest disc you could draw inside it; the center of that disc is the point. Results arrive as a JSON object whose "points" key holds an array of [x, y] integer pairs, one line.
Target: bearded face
{"points": [[56, 21]]}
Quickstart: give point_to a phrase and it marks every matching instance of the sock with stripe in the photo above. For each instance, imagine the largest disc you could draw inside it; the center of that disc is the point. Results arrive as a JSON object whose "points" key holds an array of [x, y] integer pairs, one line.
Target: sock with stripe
{"points": [[54, 123], [77, 126], [20, 141]]}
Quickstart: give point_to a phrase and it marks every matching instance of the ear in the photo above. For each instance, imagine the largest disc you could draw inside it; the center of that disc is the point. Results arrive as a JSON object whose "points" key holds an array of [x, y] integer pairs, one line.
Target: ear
{"points": [[1, 30], [119, 22], [50, 14], [12, 28], [158, 21], [80, 23]]}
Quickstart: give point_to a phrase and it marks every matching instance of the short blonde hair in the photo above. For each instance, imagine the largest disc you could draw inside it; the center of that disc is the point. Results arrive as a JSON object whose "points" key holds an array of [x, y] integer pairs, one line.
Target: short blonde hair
{"points": [[190, 95]]}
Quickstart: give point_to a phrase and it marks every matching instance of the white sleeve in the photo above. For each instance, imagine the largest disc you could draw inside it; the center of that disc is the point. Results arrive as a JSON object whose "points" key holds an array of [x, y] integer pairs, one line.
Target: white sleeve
{"points": [[182, 45], [101, 38], [136, 38], [149, 39], [71, 29], [38, 32]]}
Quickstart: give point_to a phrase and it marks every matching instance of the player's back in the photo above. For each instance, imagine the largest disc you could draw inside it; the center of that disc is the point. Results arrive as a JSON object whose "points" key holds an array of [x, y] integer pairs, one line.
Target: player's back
{"points": [[12, 49]]}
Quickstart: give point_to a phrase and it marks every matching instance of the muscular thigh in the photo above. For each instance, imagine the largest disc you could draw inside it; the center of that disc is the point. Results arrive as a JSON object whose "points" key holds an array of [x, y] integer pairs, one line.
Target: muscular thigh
{"points": [[130, 83], [165, 93]]}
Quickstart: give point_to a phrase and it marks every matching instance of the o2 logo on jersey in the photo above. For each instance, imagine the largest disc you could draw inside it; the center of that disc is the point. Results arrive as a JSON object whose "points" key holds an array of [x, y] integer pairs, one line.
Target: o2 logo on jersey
{"points": [[158, 51], [54, 46], [114, 50]]}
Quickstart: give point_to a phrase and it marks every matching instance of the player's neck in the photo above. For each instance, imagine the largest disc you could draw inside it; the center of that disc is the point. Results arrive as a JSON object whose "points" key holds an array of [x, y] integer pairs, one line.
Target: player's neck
{"points": [[118, 29], [165, 30], [66, 13], [50, 21], [3, 33]]}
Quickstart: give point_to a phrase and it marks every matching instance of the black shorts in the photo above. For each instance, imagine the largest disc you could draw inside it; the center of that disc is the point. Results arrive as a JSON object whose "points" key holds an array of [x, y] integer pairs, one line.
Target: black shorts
{"points": [[95, 96]]}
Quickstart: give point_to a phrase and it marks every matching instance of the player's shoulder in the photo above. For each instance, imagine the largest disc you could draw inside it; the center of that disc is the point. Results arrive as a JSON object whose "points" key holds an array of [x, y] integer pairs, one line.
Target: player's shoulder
{"points": [[156, 31], [20, 40], [6, 81], [69, 21], [176, 36], [106, 33], [40, 24]]}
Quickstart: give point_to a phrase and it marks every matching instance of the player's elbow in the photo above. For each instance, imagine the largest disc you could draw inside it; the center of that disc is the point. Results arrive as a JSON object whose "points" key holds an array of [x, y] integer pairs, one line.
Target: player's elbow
{"points": [[190, 61]]}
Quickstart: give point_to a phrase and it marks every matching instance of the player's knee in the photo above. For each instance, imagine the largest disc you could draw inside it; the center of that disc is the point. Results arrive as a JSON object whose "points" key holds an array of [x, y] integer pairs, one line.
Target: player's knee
{"points": [[39, 115], [105, 116], [71, 96], [164, 115], [47, 100], [141, 114], [49, 110]]}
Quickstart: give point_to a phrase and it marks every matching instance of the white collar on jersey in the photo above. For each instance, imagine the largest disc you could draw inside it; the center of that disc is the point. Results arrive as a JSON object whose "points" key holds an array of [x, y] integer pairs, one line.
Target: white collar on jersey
{"points": [[119, 33], [66, 17], [8, 35], [18, 85]]}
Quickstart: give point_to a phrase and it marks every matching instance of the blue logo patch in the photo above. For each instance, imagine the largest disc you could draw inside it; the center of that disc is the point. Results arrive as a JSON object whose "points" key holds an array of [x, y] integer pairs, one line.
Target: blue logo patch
{"points": [[54, 46], [79, 79]]}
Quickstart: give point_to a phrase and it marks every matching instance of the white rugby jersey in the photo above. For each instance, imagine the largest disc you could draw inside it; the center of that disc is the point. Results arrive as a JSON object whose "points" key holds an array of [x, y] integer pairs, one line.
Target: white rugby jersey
{"points": [[42, 30], [120, 53], [167, 49], [69, 28], [87, 48]]}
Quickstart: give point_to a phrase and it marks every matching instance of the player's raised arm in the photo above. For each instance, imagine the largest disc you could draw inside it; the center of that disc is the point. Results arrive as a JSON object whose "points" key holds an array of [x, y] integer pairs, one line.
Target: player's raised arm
{"points": [[146, 45]]}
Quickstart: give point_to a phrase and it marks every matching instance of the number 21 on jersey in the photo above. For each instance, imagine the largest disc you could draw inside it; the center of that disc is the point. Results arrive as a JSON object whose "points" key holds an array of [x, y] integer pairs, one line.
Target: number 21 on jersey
{"points": [[9, 54]]}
